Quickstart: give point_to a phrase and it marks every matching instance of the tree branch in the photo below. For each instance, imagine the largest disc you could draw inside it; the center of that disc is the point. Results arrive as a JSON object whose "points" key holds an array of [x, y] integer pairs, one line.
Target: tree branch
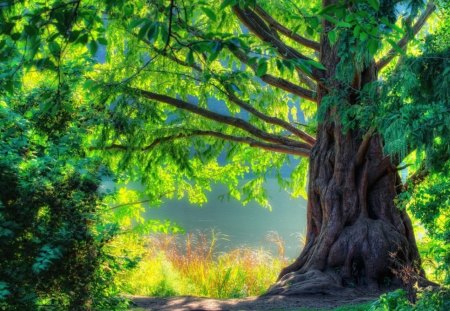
{"points": [[272, 120], [285, 31], [276, 81], [272, 80], [235, 122], [431, 7], [256, 25], [417, 177], [304, 152]]}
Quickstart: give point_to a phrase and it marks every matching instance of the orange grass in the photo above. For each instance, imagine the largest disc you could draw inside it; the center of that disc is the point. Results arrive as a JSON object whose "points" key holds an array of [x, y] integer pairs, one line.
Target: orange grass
{"points": [[190, 265]]}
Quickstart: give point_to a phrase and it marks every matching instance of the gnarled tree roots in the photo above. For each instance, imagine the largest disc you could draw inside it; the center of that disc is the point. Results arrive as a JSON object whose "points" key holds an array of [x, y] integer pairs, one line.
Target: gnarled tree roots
{"points": [[363, 257]]}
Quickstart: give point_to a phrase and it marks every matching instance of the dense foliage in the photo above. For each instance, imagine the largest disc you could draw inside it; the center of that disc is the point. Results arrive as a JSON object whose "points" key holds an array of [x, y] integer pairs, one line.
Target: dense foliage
{"points": [[180, 95], [52, 245], [415, 115]]}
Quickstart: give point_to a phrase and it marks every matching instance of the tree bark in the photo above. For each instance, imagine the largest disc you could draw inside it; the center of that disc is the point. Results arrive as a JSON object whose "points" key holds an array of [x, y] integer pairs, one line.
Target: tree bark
{"points": [[356, 237]]}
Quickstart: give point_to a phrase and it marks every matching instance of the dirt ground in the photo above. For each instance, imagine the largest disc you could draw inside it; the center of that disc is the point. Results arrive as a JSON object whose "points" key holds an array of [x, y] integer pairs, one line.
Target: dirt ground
{"points": [[252, 303]]}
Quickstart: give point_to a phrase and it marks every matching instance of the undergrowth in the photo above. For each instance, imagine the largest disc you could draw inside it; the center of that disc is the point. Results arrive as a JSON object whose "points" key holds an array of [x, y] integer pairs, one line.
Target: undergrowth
{"points": [[175, 265]]}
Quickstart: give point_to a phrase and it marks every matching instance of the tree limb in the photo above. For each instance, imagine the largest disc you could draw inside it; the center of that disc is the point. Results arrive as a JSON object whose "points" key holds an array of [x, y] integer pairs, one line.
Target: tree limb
{"points": [[285, 31], [272, 120], [235, 122], [304, 152], [272, 80], [276, 81], [431, 7], [256, 25]]}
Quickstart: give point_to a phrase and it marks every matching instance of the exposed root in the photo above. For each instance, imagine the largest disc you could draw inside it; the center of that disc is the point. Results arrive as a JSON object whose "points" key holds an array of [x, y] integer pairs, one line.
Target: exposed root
{"points": [[358, 260], [313, 282]]}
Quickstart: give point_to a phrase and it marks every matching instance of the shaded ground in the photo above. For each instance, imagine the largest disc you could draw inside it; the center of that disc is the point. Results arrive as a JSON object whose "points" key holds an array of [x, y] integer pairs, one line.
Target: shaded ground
{"points": [[251, 303]]}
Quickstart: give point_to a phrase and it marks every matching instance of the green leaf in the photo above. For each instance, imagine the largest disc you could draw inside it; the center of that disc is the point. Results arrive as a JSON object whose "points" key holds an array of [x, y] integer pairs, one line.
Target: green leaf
{"points": [[54, 48], [395, 46], [331, 19], [303, 66], [374, 4], [356, 31], [31, 30], [144, 29], [190, 57], [329, 8], [136, 22], [363, 36], [332, 36], [152, 33], [344, 24], [210, 13], [280, 65], [262, 67], [226, 3], [373, 46], [216, 48], [315, 64], [128, 9], [83, 39], [93, 47], [73, 36], [289, 65], [102, 41]]}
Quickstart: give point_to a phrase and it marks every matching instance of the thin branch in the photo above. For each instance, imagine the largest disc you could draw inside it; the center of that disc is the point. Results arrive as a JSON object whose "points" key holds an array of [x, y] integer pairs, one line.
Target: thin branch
{"points": [[256, 25], [272, 80], [304, 152], [130, 203], [276, 81], [272, 120], [417, 177], [235, 122], [285, 31], [431, 7], [169, 32]]}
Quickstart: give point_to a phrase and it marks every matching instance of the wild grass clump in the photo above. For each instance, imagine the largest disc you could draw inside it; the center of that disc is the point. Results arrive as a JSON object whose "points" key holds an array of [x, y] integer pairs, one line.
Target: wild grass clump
{"points": [[190, 265]]}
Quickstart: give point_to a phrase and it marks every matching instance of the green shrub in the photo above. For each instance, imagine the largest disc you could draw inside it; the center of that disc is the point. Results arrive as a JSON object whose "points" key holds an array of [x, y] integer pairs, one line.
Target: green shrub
{"points": [[52, 239], [428, 300]]}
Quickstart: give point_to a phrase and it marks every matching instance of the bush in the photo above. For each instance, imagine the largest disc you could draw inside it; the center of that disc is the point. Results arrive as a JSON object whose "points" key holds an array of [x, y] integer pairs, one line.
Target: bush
{"points": [[52, 239], [429, 300]]}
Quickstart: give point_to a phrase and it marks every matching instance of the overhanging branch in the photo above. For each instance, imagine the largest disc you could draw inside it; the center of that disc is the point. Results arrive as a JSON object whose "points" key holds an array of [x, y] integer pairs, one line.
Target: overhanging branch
{"points": [[272, 120], [272, 80], [304, 152], [235, 122], [257, 26], [431, 7], [285, 31], [276, 81]]}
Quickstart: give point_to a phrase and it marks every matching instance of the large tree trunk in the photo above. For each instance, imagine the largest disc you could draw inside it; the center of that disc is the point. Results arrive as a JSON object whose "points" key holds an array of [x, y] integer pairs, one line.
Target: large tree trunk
{"points": [[356, 237]]}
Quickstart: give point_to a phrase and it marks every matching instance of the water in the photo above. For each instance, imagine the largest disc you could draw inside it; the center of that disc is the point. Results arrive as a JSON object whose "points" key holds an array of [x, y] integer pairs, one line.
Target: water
{"points": [[242, 225]]}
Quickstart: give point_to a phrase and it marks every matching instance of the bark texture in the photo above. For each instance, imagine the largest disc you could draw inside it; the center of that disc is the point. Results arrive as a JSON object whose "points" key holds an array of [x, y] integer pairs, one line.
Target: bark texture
{"points": [[356, 237]]}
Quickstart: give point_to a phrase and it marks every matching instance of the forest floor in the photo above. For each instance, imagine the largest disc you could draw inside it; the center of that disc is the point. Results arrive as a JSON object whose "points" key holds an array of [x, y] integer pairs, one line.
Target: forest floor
{"points": [[313, 302]]}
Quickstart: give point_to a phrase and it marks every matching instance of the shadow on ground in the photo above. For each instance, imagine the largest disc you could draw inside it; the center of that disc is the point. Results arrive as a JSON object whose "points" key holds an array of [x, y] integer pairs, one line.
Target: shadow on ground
{"points": [[251, 303]]}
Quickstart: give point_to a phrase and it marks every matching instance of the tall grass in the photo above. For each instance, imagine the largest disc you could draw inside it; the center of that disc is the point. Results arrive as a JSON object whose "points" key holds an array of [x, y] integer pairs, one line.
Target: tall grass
{"points": [[190, 265]]}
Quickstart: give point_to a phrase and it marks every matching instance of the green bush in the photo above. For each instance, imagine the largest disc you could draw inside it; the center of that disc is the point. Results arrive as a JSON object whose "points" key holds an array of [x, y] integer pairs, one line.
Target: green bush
{"points": [[52, 238], [429, 300]]}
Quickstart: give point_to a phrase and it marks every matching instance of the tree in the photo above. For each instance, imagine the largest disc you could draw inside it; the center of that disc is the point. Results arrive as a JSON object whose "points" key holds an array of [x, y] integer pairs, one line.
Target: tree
{"points": [[262, 62]]}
